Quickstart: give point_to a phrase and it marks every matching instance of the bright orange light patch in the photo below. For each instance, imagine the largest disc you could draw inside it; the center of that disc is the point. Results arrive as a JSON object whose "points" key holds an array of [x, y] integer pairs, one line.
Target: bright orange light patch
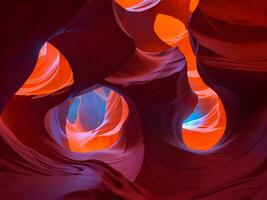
{"points": [[206, 132], [127, 3], [193, 5], [169, 29], [51, 73]]}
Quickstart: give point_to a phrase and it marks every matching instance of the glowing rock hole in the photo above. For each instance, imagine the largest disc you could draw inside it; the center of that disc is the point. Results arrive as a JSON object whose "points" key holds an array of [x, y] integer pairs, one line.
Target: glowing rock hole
{"points": [[205, 127], [51, 73], [95, 120]]}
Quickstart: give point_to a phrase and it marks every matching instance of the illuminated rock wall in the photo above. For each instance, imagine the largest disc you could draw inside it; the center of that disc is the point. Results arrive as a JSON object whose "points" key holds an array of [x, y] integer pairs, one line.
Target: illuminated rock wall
{"points": [[133, 99]]}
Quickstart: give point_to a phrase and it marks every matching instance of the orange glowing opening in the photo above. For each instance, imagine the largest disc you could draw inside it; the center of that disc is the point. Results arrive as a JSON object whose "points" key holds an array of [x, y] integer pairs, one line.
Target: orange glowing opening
{"points": [[107, 133], [169, 29], [127, 3], [52, 73], [211, 129]]}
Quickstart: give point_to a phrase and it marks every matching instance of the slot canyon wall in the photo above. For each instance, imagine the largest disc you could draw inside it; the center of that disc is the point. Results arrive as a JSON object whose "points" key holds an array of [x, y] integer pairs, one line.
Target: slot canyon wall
{"points": [[133, 99]]}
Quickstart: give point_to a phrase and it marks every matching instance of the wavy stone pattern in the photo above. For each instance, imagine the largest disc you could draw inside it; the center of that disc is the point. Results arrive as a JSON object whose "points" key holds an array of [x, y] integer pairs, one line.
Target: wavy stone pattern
{"points": [[133, 99]]}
